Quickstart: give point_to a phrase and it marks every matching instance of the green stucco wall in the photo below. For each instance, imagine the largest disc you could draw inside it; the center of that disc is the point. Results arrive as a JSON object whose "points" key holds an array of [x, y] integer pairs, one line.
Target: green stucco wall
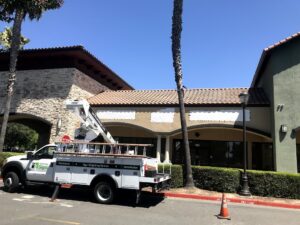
{"points": [[281, 82]]}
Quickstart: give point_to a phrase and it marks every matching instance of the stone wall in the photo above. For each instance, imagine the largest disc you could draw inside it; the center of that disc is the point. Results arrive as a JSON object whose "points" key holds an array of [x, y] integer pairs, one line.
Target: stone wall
{"points": [[41, 93]]}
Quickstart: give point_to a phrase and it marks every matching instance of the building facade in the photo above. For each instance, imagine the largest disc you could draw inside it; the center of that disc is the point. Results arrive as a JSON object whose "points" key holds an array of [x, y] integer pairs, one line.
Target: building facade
{"points": [[273, 123], [214, 120], [47, 77]]}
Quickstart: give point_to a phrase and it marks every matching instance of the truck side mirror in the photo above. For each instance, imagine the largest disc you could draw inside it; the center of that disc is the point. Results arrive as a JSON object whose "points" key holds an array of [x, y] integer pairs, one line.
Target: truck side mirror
{"points": [[29, 155]]}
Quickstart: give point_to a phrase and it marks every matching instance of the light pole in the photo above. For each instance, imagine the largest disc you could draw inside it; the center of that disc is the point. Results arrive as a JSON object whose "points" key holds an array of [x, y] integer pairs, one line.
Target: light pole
{"points": [[245, 187]]}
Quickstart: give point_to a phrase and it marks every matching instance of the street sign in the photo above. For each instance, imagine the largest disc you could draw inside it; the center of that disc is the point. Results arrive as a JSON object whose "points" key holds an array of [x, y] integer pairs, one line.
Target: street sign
{"points": [[66, 139]]}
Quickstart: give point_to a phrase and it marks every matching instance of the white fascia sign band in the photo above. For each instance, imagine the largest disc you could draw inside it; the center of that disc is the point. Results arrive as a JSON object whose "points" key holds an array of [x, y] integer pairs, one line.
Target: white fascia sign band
{"points": [[116, 114], [219, 115], [163, 116]]}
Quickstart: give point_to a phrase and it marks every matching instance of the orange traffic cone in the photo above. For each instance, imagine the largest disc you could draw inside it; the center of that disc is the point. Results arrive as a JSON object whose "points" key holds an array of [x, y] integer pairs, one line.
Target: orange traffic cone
{"points": [[224, 213]]}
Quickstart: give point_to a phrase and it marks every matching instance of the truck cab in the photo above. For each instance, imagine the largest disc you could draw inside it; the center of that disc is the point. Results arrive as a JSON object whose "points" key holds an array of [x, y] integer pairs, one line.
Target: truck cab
{"points": [[36, 166]]}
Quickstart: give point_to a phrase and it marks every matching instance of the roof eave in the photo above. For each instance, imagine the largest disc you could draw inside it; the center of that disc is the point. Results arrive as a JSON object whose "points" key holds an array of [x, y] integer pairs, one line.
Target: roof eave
{"points": [[77, 53], [177, 105], [258, 69], [267, 52]]}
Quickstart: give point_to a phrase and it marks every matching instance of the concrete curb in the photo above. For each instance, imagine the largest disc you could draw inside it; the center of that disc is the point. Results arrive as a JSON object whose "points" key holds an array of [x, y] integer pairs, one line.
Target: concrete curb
{"points": [[235, 200]]}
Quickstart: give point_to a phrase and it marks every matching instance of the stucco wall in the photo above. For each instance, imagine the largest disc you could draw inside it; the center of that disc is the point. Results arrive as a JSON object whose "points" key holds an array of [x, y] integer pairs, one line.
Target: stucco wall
{"points": [[281, 80], [143, 118], [287, 93]]}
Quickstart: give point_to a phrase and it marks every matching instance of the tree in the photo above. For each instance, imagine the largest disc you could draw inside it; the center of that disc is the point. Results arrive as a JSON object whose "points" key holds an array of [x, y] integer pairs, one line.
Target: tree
{"points": [[21, 137], [16, 11], [176, 52], [6, 38]]}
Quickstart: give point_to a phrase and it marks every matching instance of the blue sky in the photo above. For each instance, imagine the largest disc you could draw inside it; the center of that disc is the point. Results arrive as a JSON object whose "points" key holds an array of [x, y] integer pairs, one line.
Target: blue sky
{"points": [[222, 40]]}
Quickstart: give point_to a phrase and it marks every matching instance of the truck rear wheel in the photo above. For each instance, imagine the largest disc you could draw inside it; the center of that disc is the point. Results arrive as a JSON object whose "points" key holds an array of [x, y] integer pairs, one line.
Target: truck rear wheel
{"points": [[11, 182], [104, 192]]}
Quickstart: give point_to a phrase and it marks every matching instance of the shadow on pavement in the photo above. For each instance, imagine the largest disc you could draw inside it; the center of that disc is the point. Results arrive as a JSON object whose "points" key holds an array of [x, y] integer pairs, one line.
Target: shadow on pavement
{"points": [[123, 198]]}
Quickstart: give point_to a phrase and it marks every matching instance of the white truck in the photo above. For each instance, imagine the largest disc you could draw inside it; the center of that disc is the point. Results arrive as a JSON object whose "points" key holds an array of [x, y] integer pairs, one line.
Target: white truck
{"points": [[103, 167]]}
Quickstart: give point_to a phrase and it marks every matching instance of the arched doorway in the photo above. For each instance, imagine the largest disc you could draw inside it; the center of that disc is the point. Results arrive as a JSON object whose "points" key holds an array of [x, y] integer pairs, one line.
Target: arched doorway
{"points": [[41, 126], [222, 145]]}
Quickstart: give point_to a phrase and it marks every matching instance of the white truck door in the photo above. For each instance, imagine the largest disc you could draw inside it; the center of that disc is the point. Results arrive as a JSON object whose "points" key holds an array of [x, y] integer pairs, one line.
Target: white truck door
{"points": [[40, 168]]}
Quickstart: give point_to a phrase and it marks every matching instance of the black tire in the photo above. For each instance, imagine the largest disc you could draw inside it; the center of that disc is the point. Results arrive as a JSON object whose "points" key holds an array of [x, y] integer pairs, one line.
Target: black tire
{"points": [[104, 192], [11, 182]]}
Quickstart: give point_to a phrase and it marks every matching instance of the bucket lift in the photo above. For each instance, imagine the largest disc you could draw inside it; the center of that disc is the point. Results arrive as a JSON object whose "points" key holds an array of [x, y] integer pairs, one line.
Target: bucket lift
{"points": [[90, 122]]}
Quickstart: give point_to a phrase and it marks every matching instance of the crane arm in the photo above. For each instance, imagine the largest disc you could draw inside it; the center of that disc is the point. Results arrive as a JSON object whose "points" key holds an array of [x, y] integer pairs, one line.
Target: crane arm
{"points": [[89, 120]]}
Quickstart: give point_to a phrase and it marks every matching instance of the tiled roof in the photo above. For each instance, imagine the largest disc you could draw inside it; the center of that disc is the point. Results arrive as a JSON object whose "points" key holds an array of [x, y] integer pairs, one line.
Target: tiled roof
{"points": [[65, 57], [282, 41], [266, 54], [193, 97]]}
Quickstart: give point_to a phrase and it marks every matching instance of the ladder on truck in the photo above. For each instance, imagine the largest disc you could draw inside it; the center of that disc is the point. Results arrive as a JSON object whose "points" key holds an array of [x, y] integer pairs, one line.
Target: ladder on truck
{"points": [[98, 149], [89, 120]]}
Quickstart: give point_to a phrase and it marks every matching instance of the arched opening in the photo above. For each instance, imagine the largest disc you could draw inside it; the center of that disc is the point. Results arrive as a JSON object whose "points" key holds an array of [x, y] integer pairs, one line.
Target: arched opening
{"points": [[128, 133], [41, 126], [223, 146], [20, 138]]}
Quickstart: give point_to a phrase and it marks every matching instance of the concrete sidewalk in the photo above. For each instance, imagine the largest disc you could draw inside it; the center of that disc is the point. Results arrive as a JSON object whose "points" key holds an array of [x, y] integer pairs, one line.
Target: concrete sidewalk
{"points": [[200, 194]]}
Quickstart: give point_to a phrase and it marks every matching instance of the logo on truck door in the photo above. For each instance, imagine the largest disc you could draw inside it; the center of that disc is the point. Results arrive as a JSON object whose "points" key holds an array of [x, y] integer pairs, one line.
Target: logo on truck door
{"points": [[40, 166]]}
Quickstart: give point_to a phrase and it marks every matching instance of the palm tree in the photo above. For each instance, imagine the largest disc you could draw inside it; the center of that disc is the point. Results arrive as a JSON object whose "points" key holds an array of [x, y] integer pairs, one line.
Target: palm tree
{"points": [[16, 11], [6, 37], [176, 52]]}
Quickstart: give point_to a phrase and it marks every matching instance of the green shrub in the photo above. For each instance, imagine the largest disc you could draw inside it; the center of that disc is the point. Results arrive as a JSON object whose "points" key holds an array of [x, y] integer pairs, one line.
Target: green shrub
{"points": [[4, 155], [176, 174], [274, 184], [216, 179], [262, 183]]}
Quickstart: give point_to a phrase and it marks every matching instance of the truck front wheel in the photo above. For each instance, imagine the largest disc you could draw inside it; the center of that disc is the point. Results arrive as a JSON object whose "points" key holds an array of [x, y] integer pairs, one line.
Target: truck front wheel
{"points": [[11, 182], [104, 192]]}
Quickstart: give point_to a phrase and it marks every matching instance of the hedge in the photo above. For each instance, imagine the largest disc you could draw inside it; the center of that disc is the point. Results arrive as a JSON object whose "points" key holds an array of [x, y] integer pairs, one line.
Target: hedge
{"points": [[262, 183], [216, 179], [4, 155], [176, 174], [274, 184]]}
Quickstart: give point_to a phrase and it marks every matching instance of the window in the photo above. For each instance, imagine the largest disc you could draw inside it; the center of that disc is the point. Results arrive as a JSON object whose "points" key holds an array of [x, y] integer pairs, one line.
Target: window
{"points": [[46, 153], [210, 153], [225, 154], [262, 156]]}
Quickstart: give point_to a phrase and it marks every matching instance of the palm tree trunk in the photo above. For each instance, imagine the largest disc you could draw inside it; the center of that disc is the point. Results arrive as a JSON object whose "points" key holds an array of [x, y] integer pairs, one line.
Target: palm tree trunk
{"points": [[15, 45], [176, 51]]}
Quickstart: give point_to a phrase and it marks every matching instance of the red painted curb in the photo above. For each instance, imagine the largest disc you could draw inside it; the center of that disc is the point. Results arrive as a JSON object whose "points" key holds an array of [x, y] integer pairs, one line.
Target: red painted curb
{"points": [[235, 200], [191, 196]]}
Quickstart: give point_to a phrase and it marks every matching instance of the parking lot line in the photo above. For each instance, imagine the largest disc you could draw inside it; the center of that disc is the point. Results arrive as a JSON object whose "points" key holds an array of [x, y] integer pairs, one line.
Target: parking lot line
{"points": [[57, 221]]}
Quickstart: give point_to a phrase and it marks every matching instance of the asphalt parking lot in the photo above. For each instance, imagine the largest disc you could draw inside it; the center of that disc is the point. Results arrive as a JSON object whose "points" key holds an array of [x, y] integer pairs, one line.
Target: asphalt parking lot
{"points": [[32, 206]]}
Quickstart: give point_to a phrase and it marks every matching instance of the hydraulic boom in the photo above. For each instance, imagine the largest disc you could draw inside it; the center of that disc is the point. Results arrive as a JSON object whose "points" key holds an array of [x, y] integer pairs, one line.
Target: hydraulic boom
{"points": [[89, 120]]}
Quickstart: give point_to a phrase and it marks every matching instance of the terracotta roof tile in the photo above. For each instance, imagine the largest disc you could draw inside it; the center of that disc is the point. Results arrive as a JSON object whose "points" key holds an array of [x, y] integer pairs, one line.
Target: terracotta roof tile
{"points": [[266, 54], [282, 41], [207, 96]]}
